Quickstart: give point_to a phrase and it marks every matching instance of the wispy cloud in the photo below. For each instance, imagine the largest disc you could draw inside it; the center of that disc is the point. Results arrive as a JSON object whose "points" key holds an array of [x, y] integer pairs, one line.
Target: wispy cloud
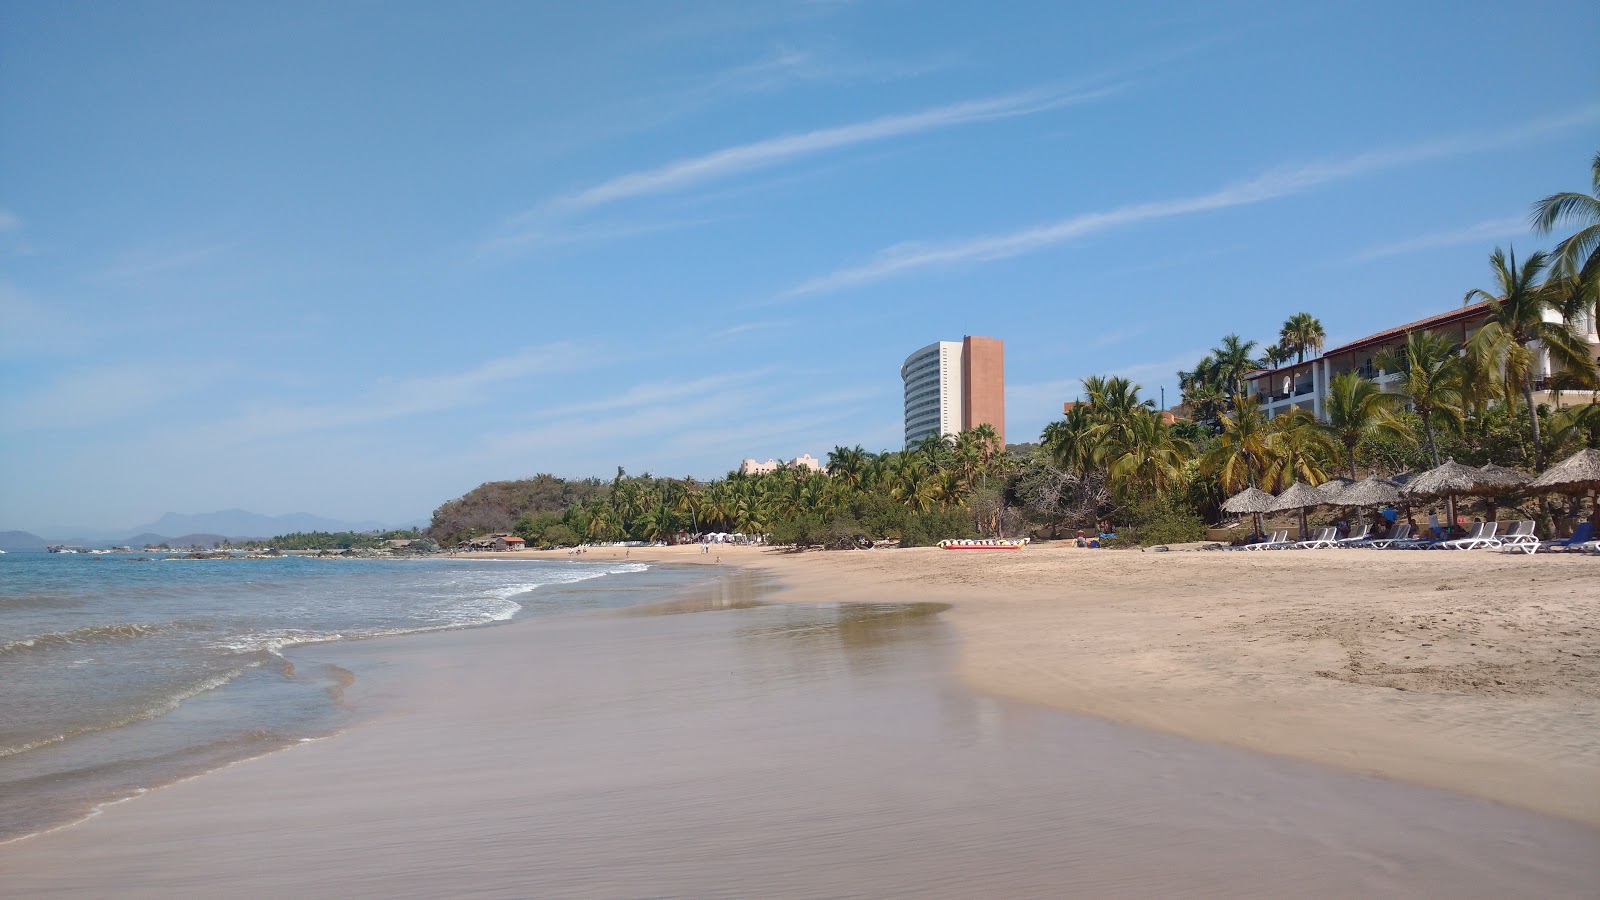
{"points": [[909, 257], [743, 158], [139, 263], [9, 221], [1488, 230], [397, 398], [568, 235], [787, 66]]}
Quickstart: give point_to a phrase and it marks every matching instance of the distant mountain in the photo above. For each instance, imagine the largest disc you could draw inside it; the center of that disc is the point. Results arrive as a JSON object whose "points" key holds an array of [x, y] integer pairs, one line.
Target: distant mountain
{"points": [[238, 523], [21, 540], [186, 540]]}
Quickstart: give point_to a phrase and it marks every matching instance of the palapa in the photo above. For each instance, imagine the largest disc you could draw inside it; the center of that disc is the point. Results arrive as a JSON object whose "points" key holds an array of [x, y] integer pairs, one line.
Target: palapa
{"points": [[1373, 491], [1300, 496], [1577, 474], [1495, 481], [1334, 487], [1251, 500], [1448, 481]]}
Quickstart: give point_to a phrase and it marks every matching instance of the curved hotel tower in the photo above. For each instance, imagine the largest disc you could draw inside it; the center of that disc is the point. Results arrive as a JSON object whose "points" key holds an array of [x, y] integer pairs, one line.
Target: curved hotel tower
{"points": [[952, 386]]}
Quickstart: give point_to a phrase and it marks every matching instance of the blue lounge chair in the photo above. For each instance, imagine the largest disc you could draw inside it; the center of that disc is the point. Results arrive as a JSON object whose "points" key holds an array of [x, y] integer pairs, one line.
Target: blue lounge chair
{"points": [[1581, 535]]}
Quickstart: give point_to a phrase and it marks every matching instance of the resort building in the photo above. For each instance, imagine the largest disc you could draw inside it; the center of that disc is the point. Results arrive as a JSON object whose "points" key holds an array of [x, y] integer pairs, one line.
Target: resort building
{"points": [[953, 386], [807, 461], [1305, 385]]}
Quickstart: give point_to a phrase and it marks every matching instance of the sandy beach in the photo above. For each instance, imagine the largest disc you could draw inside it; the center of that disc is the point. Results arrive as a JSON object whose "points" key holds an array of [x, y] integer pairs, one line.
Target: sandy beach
{"points": [[1476, 672], [901, 727]]}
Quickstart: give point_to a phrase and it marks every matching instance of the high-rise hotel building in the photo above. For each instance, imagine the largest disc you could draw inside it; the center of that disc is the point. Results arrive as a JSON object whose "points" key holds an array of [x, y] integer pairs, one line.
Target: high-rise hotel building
{"points": [[952, 386]]}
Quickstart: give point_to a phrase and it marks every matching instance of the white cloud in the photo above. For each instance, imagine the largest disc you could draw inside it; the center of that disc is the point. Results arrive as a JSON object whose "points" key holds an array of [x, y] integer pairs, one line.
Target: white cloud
{"points": [[397, 398], [743, 158], [151, 261], [1488, 230], [93, 396], [9, 221], [909, 257]]}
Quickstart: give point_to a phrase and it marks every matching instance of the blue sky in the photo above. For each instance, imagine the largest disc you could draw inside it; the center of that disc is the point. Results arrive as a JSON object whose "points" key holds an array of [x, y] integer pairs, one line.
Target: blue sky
{"points": [[356, 258]]}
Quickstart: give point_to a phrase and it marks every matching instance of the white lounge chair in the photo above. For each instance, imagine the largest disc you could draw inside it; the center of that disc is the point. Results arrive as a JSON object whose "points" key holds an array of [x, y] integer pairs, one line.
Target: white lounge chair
{"points": [[1274, 541], [1321, 539], [1400, 535], [1355, 538], [1481, 535], [1519, 539]]}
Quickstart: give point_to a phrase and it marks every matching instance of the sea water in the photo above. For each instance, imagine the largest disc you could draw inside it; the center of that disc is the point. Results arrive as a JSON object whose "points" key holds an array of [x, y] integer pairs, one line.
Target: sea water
{"points": [[120, 673]]}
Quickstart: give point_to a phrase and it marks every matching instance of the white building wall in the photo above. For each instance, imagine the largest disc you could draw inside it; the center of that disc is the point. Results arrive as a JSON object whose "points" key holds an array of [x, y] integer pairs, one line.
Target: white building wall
{"points": [[932, 391]]}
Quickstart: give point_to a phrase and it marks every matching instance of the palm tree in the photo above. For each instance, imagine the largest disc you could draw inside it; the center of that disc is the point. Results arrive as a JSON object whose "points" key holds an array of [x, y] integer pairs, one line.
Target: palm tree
{"points": [[848, 464], [1071, 441], [1233, 361], [1146, 457], [1579, 254], [1517, 318], [1300, 444], [1356, 408], [1244, 448], [1431, 381], [1300, 333], [1274, 356]]}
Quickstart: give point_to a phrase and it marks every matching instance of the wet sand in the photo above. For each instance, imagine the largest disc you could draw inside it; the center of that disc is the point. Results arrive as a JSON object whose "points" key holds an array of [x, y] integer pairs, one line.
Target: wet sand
{"points": [[715, 746], [1477, 672]]}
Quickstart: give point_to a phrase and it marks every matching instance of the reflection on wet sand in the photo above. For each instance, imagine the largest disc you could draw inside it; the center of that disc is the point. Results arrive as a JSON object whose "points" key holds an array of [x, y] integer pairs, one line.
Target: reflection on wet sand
{"points": [[775, 750]]}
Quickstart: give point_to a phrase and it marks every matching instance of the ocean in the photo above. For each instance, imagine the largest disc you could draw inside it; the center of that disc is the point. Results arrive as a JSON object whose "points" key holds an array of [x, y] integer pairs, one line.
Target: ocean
{"points": [[121, 673]]}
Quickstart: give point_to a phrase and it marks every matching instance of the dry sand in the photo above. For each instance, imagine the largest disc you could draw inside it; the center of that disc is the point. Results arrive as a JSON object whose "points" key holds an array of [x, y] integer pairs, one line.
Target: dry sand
{"points": [[1477, 672]]}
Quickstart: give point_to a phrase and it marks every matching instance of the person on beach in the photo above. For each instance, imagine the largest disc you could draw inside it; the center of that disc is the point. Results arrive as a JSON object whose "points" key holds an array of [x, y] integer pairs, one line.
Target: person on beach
{"points": [[1082, 541]]}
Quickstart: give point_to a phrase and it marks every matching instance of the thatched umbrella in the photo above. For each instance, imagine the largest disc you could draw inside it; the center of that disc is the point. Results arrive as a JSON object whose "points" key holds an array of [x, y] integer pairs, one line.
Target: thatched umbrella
{"points": [[1335, 486], [1449, 481], [1495, 481], [1373, 492], [1577, 474], [1300, 496], [1251, 500]]}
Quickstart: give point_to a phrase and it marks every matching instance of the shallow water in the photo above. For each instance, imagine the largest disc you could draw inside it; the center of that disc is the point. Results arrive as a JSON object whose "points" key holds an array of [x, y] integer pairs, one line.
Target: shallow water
{"points": [[120, 673], [716, 746]]}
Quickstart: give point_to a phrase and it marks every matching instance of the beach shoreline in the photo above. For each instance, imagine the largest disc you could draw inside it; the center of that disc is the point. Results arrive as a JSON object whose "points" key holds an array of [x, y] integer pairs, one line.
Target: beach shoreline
{"points": [[1474, 672], [711, 742]]}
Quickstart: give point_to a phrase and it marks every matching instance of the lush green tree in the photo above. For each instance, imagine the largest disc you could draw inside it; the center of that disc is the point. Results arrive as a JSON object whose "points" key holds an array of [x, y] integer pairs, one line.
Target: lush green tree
{"points": [[1354, 408], [1518, 303], [1578, 255], [1244, 448], [1300, 333], [1300, 447], [1233, 362], [1431, 382]]}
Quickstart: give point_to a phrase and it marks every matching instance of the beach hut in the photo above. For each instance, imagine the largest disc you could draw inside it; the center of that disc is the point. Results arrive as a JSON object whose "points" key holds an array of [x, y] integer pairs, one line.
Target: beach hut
{"points": [[1448, 481], [1253, 501], [1300, 497], [1577, 474], [1368, 493], [1335, 486], [1496, 481]]}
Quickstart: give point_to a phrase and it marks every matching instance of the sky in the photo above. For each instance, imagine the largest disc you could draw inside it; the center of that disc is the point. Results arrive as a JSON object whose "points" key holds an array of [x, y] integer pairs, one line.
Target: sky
{"points": [[357, 258]]}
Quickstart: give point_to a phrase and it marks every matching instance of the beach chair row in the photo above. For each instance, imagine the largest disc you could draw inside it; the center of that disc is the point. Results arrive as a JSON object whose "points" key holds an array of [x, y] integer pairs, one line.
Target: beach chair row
{"points": [[1520, 538]]}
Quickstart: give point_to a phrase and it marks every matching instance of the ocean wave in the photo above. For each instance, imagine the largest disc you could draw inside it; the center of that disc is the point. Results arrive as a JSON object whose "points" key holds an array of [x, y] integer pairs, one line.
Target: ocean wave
{"points": [[159, 707], [87, 635]]}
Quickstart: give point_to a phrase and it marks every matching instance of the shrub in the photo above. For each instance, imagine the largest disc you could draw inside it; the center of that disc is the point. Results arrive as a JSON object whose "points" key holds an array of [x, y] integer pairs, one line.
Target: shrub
{"points": [[929, 528], [1165, 520]]}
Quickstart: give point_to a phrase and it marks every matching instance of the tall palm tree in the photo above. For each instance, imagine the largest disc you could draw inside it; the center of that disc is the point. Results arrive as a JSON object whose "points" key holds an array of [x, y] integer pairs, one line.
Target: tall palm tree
{"points": [[1517, 307], [1244, 448], [848, 464], [1146, 459], [1274, 356], [1431, 382], [1300, 445], [1356, 408], [1071, 441], [1300, 333], [1579, 253], [1233, 361]]}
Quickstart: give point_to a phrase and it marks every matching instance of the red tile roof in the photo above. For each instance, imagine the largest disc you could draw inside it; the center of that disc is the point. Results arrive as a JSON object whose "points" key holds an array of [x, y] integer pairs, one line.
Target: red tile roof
{"points": [[1449, 318]]}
